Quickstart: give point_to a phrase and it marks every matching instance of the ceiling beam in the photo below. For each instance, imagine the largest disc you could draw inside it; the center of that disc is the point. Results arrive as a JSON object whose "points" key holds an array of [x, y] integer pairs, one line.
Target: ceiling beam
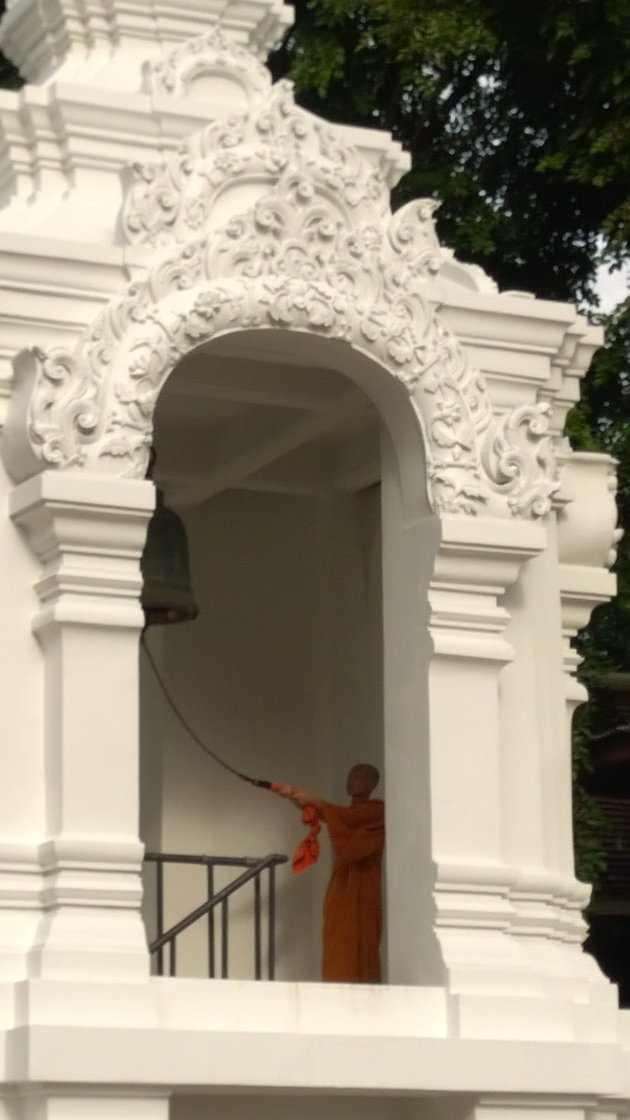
{"points": [[243, 451], [252, 383]]}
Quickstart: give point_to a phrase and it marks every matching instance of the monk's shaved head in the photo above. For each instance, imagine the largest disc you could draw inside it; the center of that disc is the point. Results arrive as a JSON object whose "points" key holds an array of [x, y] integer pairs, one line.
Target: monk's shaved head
{"points": [[362, 779], [369, 772]]}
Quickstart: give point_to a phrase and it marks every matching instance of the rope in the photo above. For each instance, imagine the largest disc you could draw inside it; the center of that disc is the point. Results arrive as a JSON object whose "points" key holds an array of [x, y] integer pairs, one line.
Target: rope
{"points": [[260, 782]]}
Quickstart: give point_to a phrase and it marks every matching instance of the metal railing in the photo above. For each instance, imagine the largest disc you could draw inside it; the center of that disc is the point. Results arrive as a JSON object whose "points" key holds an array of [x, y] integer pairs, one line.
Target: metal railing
{"points": [[218, 901]]}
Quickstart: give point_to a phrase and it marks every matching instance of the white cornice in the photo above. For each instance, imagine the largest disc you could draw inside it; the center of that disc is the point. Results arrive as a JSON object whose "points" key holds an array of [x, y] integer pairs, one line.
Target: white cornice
{"points": [[105, 42], [53, 137], [528, 349]]}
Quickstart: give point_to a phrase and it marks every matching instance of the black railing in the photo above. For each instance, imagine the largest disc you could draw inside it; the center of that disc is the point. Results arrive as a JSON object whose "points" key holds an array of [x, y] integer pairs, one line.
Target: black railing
{"points": [[253, 873]]}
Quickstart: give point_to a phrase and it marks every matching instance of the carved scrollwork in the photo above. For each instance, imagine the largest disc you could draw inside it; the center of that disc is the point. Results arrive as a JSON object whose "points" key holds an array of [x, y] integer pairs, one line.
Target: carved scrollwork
{"points": [[519, 457], [213, 53], [63, 408], [291, 261], [318, 251], [281, 146]]}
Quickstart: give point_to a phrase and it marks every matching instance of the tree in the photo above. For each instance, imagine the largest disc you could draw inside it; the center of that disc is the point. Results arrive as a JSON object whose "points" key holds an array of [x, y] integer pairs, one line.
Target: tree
{"points": [[516, 116], [9, 76]]}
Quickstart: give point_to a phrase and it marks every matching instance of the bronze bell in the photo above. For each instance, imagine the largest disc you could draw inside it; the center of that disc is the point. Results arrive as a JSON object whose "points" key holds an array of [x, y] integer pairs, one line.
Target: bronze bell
{"points": [[167, 594]]}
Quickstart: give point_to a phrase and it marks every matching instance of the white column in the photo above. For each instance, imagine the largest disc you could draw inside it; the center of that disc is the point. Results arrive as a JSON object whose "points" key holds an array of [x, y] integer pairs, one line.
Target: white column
{"points": [[88, 533], [43, 1102], [409, 543], [447, 880], [477, 560]]}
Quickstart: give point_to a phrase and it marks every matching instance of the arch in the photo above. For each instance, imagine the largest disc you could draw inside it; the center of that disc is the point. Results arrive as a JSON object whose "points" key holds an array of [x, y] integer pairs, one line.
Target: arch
{"points": [[316, 251], [93, 408]]}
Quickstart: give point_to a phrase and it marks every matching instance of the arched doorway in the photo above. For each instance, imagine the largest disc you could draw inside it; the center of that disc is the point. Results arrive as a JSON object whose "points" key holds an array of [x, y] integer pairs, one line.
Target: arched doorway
{"points": [[270, 448]]}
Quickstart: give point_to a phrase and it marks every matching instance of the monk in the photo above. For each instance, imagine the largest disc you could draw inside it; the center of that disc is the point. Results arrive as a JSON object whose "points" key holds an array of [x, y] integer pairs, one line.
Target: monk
{"points": [[352, 907]]}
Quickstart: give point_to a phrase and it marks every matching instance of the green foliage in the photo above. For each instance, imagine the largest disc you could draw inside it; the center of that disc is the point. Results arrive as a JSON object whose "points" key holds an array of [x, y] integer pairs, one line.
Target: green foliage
{"points": [[9, 76], [591, 827], [517, 116]]}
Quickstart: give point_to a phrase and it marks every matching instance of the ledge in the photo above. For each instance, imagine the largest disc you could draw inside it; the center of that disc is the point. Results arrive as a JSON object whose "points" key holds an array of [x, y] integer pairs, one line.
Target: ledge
{"points": [[242, 1035], [300, 1062]]}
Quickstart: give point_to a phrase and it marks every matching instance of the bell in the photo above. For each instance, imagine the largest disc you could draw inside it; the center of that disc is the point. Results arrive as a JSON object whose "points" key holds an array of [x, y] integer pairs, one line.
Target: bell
{"points": [[167, 594]]}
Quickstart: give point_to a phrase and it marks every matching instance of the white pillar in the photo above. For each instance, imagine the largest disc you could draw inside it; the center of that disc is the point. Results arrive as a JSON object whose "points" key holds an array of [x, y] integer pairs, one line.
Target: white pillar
{"points": [[477, 560], [88, 533], [448, 883], [51, 1102], [409, 544]]}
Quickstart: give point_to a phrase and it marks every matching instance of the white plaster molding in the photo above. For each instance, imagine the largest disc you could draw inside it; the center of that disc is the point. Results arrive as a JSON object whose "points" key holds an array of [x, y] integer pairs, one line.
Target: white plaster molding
{"points": [[21, 883], [88, 534], [587, 539], [530, 351], [89, 547], [279, 146], [44, 37], [475, 563], [464, 275], [214, 54], [319, 251], [379, 1042], [57, 151], [587, 532], [520, 459]]}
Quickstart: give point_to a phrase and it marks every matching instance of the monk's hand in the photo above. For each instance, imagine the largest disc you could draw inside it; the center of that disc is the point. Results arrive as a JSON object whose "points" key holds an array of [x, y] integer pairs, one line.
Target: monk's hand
{"points": [[299, 797], [303, 797], [283, 790]]}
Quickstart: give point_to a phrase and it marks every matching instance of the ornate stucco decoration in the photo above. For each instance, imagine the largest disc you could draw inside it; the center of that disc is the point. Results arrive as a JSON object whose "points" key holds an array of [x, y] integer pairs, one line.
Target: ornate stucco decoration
{"points": [[215, 53], [318, 251], [520, 458], [273, 146]]}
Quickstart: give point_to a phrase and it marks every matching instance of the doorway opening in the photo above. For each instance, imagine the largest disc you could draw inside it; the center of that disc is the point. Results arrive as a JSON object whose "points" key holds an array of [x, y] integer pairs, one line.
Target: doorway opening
{"points": [[272, 459]]}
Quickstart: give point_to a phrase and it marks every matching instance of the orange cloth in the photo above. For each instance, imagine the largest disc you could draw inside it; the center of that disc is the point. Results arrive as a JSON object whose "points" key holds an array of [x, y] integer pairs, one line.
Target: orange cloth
{"points": [[307, 852], [352, 907]]}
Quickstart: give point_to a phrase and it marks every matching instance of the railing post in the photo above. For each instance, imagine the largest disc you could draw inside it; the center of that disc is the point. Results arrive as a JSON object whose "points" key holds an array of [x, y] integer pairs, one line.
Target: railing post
{"points": [[159, 899], [224, 939], [257, 930], [271, 946], [211, 964]]}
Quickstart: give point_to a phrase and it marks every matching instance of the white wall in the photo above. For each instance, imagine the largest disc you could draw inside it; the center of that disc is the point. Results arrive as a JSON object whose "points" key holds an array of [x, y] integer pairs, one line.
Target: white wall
{"points": [[281, 675]]}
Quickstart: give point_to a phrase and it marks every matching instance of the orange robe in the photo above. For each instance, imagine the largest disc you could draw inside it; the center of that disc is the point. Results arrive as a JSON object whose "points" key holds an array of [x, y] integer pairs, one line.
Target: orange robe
{"points": [[352, 908]]}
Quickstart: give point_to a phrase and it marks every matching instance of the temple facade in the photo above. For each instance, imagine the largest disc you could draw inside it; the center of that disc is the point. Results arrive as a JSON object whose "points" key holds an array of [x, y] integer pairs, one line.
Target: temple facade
{"points": [[392, 548]]}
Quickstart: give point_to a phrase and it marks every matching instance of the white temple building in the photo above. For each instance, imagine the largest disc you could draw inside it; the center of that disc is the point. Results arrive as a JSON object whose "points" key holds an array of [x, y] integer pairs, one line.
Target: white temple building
{"points": [[392, 548]]}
